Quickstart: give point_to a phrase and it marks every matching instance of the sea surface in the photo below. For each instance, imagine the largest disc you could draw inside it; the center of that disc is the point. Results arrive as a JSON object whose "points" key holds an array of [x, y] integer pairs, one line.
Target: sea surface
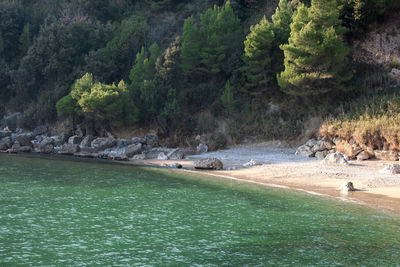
{"points": [[61, 212]]}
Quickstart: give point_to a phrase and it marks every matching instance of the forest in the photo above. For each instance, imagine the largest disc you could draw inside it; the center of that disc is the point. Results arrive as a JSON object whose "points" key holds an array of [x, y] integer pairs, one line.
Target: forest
{"points": [[231, 69]]}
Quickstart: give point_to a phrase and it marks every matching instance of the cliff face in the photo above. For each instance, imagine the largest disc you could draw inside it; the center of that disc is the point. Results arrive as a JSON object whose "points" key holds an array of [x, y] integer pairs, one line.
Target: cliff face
{"points": [[381, 46]]}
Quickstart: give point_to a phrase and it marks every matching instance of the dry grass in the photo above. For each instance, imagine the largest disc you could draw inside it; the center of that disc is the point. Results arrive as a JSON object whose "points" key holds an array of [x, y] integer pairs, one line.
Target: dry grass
{"points": [[378, 132]]}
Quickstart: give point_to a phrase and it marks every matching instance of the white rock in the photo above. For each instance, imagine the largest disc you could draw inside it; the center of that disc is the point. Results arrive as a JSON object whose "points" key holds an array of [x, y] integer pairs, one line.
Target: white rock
{"points": [[162, 156], [337, 158], [391, 169], [252, 162], [363, 156]]}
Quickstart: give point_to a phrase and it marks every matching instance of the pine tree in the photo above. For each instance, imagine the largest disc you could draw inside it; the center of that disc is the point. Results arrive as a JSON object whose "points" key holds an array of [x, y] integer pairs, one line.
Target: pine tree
{"points": [[316, 57], [258, 55], [25, 40], [262, 55], [191, 43]]}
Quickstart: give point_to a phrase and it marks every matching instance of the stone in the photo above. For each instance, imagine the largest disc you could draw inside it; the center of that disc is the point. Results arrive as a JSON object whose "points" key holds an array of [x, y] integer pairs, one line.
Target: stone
{"points": [[24, 139], [251, 163], [208, 164], [58, 141], [87, 141], [174, 165], [386, 155], [47, 149], [75, 140], [151, 139], [5, 143], [102, 143], [391, 169], [321, 154], [25, 149], [350, 149], [305, 150], [68, 149], [364, 155], [176, 154], [162, 156], [312, 142], [202, 148], [4, 133], [47, 141], [39, 130], [133, 149], [336, 158], [64, 137], [12, 121], [346, 187], [138, 140], [139, 157], [123, 142]]}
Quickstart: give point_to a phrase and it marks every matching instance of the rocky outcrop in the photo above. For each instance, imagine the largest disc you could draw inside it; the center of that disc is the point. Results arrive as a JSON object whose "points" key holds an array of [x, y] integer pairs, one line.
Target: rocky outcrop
{"points": [[39, 130], [133, 149], [68, 149], [335, 158], [202, 148], [75, 140], [5, 143], [208, 164], [162, 156], [314, 146], [87, 141], [151, 139], [386, 155], [103, 143]]}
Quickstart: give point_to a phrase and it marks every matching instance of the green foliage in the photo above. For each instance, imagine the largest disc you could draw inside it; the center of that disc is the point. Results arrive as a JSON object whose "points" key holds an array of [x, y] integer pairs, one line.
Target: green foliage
{"points": [[262, 55], [228, 99], [25, 39], [109, 104], [67, 106], [207, 49], [316, 57]]}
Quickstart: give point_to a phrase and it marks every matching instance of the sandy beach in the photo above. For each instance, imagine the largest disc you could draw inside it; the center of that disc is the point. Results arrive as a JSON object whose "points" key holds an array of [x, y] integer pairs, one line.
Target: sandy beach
{"points": [[281, 167]]}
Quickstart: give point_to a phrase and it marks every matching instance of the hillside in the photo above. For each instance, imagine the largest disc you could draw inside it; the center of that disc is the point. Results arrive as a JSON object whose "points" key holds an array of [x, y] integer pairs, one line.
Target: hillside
{"points": [[229, 71]]}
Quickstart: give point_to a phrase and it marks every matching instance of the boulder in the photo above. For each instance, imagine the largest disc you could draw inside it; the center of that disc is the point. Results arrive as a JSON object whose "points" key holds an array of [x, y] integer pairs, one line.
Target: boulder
{"points": [[312, 142], [12, 121], [75, 140], [68, 149], [391, 169], [4, 133], [305, 150], [202, 148], [176, 154], [58, 141], [155, 152], [151, 139], [364, 155], [208, 164], [64, 137], [386, 155], [39, 130], [123, 142], [336, 158], [24, 139], [133, 149], [350, 149], [5, 143], [346, 187], [102, 143], [87, 141], [139, 157], [47, 141], [47, 149], [321, 154], [162, 156], [25, 149], [138, 140], [251, 163]]}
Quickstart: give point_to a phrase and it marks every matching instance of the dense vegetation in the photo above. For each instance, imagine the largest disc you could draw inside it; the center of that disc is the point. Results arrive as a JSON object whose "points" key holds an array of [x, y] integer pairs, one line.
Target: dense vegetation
{"points": [[183, 67]]}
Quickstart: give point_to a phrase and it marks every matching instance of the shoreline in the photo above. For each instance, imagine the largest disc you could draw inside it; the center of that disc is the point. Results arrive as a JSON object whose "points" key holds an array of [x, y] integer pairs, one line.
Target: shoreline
{"points": [[383, 198]]}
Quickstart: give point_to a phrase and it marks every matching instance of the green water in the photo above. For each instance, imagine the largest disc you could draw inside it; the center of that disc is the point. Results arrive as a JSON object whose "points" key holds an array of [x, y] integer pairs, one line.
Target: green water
{"points": [[68, 213]]}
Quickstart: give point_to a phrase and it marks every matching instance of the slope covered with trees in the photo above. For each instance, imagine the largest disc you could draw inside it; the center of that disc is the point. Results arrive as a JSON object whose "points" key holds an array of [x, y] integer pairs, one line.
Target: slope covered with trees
{"points": [[184, 67]]}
